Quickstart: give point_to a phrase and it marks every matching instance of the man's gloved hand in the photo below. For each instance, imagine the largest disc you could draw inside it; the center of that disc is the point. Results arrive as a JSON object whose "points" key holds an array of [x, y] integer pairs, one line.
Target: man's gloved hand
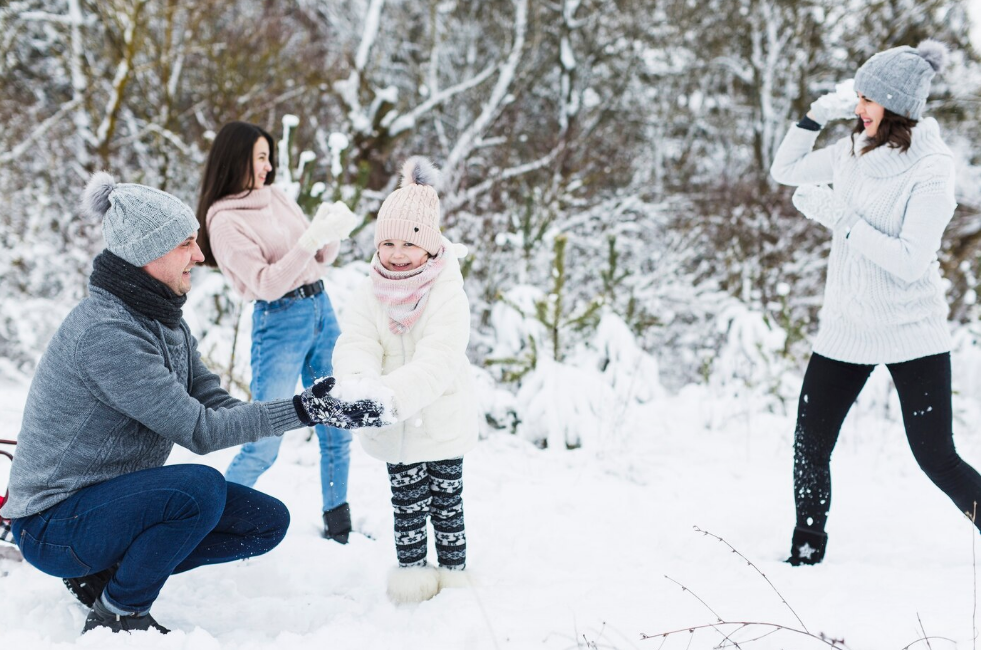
{"points": [[819, 203], [838, 105], [316, 406]]}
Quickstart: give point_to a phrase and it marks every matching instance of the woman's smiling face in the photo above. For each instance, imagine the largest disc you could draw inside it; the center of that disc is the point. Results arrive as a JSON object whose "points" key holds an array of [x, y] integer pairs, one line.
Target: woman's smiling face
{"points": [[870, 113]]}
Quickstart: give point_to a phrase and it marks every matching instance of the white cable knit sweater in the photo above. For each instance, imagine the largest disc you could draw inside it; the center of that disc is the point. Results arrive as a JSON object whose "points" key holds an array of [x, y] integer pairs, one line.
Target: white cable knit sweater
{"points": [[884, 301]]}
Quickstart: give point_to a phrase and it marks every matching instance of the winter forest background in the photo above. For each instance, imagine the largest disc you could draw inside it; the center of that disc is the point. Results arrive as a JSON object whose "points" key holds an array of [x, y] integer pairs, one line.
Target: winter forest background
{"points": [[605, 160], [643, 294]]}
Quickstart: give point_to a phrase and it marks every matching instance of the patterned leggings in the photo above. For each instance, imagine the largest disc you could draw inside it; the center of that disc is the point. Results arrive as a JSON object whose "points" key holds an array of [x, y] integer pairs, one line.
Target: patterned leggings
{"points": [[435, 489]]}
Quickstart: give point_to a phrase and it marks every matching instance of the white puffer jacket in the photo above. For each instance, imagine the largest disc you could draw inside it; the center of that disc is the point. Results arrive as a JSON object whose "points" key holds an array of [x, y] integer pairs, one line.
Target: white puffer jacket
{"points": [[426, 368]]}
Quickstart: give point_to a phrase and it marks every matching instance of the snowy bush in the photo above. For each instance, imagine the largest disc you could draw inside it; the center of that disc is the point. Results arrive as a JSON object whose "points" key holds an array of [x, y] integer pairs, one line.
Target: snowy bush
{"points": [[561, 406], [222, 323], [750, 370], [518, 337], [632, 373], [497, 406], [966, 377]]}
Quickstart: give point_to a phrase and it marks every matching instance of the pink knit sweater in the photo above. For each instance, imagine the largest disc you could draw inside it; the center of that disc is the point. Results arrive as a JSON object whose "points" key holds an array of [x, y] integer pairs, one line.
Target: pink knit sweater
{"points": [[254, 240]]}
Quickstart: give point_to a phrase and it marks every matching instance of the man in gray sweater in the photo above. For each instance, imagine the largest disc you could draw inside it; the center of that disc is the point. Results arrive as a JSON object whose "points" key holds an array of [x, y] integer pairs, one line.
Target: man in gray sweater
{"points": [[120, 384]]}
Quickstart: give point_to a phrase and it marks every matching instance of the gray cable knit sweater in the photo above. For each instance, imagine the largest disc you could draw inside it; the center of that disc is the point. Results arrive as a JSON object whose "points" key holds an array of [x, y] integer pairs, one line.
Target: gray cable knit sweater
{"points": [[112, 395], [884, 300]]}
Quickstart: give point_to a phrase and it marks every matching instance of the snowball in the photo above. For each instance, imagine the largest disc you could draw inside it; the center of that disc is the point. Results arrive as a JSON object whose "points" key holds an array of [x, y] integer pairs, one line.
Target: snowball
{"points": [[352, 389]]}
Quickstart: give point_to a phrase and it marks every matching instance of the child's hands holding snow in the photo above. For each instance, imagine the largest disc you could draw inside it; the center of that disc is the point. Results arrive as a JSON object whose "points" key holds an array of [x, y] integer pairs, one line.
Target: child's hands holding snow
{"points": [[337, 219], [837, 105], [364, 388]]}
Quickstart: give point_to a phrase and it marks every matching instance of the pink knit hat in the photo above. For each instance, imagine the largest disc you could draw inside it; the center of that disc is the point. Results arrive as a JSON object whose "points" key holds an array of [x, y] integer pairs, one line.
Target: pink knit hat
{"points": [[411, 213]]}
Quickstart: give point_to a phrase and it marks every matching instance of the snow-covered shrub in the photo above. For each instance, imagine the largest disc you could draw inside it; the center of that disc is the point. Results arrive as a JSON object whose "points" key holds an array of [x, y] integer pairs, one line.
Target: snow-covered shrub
{"points": [[222, 323], [632, 373], [496, 405], [518, 335], [561, 406], [966, 376], [750, 370], [573, 403]]}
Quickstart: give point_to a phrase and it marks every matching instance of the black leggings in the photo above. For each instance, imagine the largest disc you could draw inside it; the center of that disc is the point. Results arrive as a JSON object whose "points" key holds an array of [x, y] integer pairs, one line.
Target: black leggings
{"points": [[831, 387]]}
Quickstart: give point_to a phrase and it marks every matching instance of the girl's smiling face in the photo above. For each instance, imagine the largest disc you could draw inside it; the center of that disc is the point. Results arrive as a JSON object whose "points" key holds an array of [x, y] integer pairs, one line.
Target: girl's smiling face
{"points": [[871, 115], [399, 255]]}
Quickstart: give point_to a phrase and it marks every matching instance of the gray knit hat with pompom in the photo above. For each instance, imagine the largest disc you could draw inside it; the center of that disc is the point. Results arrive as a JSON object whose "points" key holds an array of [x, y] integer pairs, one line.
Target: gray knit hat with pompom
{"points": [[899, 79], [411, 213], [139, 223]]}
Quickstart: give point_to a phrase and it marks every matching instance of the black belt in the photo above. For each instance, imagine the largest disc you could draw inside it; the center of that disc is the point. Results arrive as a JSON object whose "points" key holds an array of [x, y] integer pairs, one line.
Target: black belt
{"points": [[306, 291]]}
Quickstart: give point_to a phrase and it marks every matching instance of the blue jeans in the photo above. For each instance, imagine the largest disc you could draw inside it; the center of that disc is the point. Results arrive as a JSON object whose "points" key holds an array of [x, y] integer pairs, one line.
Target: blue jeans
{"points": [[152, 523], [294, 338]]}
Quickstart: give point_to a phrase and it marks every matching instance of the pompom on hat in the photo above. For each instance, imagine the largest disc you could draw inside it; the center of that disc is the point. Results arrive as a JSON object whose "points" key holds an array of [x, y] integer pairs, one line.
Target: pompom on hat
{"points": [[899, 78], [411, 213], [139, 223]]}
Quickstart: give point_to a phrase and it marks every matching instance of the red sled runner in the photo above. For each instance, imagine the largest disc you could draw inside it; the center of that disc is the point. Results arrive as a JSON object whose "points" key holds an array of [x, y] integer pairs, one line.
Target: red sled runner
{"points": [[8, 549]]}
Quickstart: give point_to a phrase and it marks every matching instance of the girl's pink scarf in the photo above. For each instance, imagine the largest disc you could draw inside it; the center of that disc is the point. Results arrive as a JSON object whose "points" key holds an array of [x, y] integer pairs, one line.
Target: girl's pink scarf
{"points": [[405, 293]]}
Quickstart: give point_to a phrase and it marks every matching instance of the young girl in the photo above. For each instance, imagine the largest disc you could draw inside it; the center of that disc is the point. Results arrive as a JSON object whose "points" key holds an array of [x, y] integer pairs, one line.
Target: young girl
{"points": [[884, 300], [275, 256], [407, 327]]}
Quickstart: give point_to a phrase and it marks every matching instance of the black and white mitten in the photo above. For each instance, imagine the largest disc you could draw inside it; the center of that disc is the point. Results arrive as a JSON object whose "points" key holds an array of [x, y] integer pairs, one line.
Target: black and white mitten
{"points": [[316, 406]]}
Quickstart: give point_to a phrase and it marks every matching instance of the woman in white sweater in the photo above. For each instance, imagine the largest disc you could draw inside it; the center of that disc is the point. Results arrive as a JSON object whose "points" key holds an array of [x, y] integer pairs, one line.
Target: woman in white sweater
{"points": [[405, 330], [884, 301]]}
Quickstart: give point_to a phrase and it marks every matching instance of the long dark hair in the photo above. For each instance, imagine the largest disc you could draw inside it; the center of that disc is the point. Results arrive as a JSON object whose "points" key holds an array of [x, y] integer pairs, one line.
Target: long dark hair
{"points": [[228, 171], [895, 132]]}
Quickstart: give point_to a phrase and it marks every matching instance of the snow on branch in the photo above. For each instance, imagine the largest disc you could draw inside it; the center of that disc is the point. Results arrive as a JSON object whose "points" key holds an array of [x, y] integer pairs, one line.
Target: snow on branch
{"points": [[348, 89], [736, 67], [121, 78], [369, 35], [408, 120], [494, 103], [46, 17], [166, 134], [40, 131], [512, 172]]}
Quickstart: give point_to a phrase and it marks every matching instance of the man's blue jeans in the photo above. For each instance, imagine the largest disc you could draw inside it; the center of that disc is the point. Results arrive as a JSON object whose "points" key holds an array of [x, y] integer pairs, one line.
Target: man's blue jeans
{"points": [[152, 523], [294, 338]]}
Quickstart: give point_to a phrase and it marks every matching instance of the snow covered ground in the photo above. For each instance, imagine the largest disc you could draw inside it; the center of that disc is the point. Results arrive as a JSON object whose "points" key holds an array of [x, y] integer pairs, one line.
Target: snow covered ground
{"points": [[578, 549]]}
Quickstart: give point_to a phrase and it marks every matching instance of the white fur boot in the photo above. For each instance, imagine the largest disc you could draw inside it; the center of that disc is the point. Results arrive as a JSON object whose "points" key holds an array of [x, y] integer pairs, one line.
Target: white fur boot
{"points": [[415, 584], [449, 578]]}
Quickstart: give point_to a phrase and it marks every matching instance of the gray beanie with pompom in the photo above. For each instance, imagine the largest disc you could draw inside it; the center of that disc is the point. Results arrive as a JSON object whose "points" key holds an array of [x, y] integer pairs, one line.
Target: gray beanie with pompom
{"points": [[139, 223], [411, 213], [899, 79]]}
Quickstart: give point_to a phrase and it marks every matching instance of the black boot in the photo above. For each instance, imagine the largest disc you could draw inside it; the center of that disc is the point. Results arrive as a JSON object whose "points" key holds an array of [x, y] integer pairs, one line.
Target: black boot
{"points": [[807, 546], [337, 523], [102, 617], [88, 588]]}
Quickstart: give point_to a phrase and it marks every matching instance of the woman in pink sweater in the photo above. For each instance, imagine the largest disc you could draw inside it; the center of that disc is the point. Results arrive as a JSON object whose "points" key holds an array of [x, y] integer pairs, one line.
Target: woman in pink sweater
{"points": [[274, 255]]}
